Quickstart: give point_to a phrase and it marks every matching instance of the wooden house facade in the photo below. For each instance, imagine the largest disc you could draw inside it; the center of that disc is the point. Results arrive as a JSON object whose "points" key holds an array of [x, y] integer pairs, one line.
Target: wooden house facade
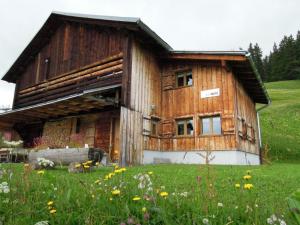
{"points": [[112, 83]]}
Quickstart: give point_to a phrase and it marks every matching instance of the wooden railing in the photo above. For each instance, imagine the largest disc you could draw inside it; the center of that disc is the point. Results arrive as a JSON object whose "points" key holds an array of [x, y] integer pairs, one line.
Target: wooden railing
{"points": [[103, 73]]}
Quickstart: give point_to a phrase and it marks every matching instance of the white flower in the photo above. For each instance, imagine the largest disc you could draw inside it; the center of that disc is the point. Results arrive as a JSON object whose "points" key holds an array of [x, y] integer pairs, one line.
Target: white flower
{"points": [[42, 223], [205, 221], [4, 188], [273, 217], [184, 194], [220, 204], [269, 221], [282, 222]]}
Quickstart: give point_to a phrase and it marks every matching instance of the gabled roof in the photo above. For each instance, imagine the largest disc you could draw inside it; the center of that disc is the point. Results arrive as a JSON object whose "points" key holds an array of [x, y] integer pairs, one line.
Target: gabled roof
{"points": [[240, 61], [55, 19]]}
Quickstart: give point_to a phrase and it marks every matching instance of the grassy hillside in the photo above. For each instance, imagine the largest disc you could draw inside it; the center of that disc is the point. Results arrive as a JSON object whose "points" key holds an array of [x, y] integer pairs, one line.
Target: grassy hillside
{"points": [[280, 122]]}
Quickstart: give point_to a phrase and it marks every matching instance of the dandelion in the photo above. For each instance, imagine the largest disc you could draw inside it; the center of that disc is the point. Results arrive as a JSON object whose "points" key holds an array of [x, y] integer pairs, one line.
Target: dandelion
{"points": [[220, 204], [77, 165], [116, 192], [247, 177], [136, 198], [248, 186], [123, 169], [205, 221], [237, 185], [164, 194], [118, 171], [52, 211], [89, 162], [150, 172], [50, 203], [144, 209], [41, 172], [86, 166]]}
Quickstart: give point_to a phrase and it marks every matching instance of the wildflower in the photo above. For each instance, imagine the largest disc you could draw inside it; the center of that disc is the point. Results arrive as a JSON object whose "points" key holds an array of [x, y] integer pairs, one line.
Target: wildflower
{"points": [[93, 196], [237, 185], [97, 163], [123, 169], [77, 165], [97, 181], [118, 171], [110, 199], [50, 203], [106, 177], [52, 211], [45, 222], [136, 198], [205, 221], [4, 187], [163, 194], [116, 192], [150, 172], [110, 175], [220, 204], [248, 186], [41, 172], [89, 162], [86, 166], [184, 194], [144, 209], [247, 177]]}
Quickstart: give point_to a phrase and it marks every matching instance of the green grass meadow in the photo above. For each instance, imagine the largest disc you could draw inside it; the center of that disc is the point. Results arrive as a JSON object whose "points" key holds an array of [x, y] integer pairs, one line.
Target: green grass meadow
{"points": [[280, 122], [88, 199], [168, 194]]}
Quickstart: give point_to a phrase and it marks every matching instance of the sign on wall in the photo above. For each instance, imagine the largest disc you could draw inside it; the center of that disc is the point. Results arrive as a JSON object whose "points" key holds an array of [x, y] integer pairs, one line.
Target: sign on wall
{"points": [[210, 93]]}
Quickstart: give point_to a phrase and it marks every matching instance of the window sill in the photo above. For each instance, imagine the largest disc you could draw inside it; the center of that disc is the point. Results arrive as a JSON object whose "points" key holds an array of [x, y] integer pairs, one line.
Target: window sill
{"points": [[211, 135], [176, 88]]}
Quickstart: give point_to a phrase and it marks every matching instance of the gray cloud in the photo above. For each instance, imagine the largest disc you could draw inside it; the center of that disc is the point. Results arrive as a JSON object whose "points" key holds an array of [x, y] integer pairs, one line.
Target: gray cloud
{"points": [[189, 24]]}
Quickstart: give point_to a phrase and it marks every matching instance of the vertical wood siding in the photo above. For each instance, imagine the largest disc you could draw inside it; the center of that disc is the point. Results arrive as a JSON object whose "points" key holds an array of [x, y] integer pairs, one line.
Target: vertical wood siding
{"points": [[246, 111], [145, 89], [72, 46]]}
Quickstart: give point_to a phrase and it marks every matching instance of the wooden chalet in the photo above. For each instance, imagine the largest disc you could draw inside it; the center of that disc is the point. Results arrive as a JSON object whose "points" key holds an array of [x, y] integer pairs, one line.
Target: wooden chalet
{"points": [[116, 83]]}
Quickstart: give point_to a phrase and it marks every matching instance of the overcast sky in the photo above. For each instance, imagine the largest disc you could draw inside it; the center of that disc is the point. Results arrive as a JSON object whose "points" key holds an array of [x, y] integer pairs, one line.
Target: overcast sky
{"points": [[185, 25]]}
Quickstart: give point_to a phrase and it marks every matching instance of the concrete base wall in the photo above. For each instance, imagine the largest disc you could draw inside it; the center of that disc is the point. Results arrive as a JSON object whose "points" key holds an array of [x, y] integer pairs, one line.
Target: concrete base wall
{"points": [[220, 157]]}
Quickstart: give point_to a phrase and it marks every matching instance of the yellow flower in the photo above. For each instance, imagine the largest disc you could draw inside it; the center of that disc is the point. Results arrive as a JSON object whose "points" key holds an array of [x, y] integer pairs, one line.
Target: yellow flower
{"points": [[110, 175], [50, 207], [248, 186], [97, 181], [110, 199], [247, 177], [116, 192], [41, 172], [93, 196], [52, 211], [50, 203], [118, 171], [116, 167], [150, 172], [77, 165], [89, 162], [144, 209], [136, 198], [164, 194], [106, 177], [86, 166], [97, 164], [123, 169], [237, 185]]}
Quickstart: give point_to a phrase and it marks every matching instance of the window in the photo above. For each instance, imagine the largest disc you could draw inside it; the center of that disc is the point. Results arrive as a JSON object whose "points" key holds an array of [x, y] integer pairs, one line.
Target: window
{"points": [[78, 125], [47, 68], [185, 127], [184, 79], [211, 125], [154, 127]]}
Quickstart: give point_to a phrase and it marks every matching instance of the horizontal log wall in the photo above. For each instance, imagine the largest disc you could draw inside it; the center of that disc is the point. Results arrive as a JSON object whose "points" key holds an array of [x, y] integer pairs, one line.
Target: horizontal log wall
{"points": [[105, 72], [71, 47]]}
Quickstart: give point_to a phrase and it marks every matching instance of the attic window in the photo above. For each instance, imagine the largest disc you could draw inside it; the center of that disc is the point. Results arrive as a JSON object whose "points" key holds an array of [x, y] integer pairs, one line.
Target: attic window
{"points": [[47, 67], [184, 79]]}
